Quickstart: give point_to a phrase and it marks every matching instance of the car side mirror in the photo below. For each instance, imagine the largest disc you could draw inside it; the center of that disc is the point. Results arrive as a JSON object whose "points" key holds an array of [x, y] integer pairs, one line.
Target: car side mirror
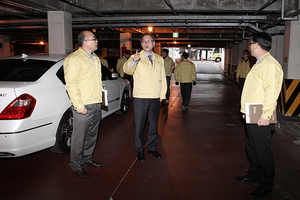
{"points": [[114, 75]]}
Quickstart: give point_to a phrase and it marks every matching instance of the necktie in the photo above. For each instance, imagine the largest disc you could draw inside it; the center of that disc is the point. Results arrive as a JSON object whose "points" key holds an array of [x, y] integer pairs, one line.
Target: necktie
{"points": [[149, 56]]}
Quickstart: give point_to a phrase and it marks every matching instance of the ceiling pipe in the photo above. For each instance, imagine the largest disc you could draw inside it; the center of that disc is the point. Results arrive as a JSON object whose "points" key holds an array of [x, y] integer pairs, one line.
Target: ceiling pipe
{"points": [[282, 19], [82, 7], [171, 6], [264, 6], [282, 13]]}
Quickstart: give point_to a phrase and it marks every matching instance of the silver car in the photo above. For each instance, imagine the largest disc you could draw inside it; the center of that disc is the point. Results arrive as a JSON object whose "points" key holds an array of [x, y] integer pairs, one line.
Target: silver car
{"points": [[35, 109]]}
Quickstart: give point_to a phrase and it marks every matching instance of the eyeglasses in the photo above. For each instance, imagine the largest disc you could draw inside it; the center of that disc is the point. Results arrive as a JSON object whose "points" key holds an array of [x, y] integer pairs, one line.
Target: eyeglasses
{"points": [[95, 39], [147, 41]]}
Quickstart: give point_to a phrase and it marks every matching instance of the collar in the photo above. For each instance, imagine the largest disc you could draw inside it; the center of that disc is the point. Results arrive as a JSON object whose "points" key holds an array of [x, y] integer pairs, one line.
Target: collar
{"points": [[260, 58], [149, 54]]}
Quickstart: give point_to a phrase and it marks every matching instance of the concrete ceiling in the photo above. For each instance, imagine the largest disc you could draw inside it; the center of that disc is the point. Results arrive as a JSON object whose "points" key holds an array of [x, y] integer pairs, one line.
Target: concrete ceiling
{"points": [[206, 23]]}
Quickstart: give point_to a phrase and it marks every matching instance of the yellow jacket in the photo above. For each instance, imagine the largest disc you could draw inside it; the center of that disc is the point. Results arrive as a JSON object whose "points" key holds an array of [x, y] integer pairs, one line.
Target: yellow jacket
{"points": [[104, 61], [185, 72], [120, 64], [83, 79], [168, 63], [149, 80], [263, 85], [243, 69]]}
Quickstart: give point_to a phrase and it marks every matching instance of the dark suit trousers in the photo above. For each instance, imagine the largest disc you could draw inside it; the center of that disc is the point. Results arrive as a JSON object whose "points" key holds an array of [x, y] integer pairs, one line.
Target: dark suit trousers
{"points": [[260, 155], [168, 87], [186, 91], [84, 136], [146, 108]]}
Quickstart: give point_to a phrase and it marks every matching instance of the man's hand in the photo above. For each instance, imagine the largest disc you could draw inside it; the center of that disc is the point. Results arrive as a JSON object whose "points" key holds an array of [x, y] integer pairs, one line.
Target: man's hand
{"points": [[137, 56], [176, 83], [263, 122], [194, 83], [237, 80], [82, 111]]}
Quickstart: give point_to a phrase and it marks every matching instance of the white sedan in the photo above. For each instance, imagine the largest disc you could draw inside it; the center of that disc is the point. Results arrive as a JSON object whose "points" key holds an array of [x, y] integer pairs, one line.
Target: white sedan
{"points": [[35, 109]]}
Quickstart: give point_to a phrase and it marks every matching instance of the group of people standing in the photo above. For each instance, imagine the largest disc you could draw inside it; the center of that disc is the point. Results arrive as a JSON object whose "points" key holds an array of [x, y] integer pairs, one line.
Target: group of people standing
{"points": [[152, 74]]}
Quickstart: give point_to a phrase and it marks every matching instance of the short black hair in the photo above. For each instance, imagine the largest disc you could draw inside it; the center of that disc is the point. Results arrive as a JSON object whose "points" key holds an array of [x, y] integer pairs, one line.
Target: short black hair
{"points": [[246, 51], [185, 55], [98, 52], [166, 50], [128, 52], [153, 38], [263, 39]]}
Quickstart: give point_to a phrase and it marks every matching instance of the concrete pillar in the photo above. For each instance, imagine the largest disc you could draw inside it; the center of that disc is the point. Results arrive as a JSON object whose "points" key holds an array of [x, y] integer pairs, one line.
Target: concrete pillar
{"points": [[60, 32], [125, 43], [291, 51], [4, 46], [157, 48], [277, 44]]}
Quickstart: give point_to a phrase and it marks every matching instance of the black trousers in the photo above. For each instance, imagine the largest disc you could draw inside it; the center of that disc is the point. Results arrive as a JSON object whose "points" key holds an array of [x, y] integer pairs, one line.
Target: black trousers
{"points": [[186, 91], [260, 155], [146, 108], [242, 82], [168, 87]]}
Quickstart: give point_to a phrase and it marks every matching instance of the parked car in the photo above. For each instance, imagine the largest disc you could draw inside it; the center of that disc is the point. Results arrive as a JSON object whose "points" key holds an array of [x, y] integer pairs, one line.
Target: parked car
{"points": [[35, 109]]}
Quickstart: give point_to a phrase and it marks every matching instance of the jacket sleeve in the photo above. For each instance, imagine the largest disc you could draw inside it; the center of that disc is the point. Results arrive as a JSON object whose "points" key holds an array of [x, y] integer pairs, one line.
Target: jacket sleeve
{"points": [[194, 73], [71, 71], [164, 84], [176, 73], [126, 67], [271, 85], [238, 71], [119, 65]]}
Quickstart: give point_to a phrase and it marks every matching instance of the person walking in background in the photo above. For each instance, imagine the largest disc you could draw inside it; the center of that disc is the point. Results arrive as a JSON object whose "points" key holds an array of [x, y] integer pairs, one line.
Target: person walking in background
{"points": [[121, 62], [263, 85], [103, 60], [185, 73], [150, 86], [168, 64], [243, 69], [82, 70]]}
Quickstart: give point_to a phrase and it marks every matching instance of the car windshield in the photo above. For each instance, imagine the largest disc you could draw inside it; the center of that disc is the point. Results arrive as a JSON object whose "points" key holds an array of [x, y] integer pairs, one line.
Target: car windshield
{"points": [[23, 70]]}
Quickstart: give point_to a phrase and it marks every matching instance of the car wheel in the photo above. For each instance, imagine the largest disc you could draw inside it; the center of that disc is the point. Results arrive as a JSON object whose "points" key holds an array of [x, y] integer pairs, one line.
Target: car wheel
{"points": [[218, 59], [125, 102], [64, 133]]}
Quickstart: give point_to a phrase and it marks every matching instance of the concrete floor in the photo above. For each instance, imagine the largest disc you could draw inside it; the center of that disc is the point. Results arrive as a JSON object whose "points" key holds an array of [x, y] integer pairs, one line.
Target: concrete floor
{"points": [[203, 151]]}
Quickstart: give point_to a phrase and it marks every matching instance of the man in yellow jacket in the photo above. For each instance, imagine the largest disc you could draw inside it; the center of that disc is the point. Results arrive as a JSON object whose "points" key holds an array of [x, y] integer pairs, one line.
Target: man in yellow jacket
{"points": [[243, 69], [82, 71], [150, 86], [168, 63], [185, 73], [102, 60], [262, 85], [121, 62]]}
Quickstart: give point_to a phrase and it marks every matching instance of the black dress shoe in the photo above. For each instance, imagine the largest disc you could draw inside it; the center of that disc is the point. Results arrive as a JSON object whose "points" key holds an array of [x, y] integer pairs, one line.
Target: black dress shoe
{"points": [[246, 179], [82, 173], [259, 193], [154, 153], [141, 156], [92, 163]]}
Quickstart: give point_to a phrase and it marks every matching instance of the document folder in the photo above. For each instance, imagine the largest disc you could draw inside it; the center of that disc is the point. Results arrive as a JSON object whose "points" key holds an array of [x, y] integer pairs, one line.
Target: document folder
{"points": [[254, 112]]}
